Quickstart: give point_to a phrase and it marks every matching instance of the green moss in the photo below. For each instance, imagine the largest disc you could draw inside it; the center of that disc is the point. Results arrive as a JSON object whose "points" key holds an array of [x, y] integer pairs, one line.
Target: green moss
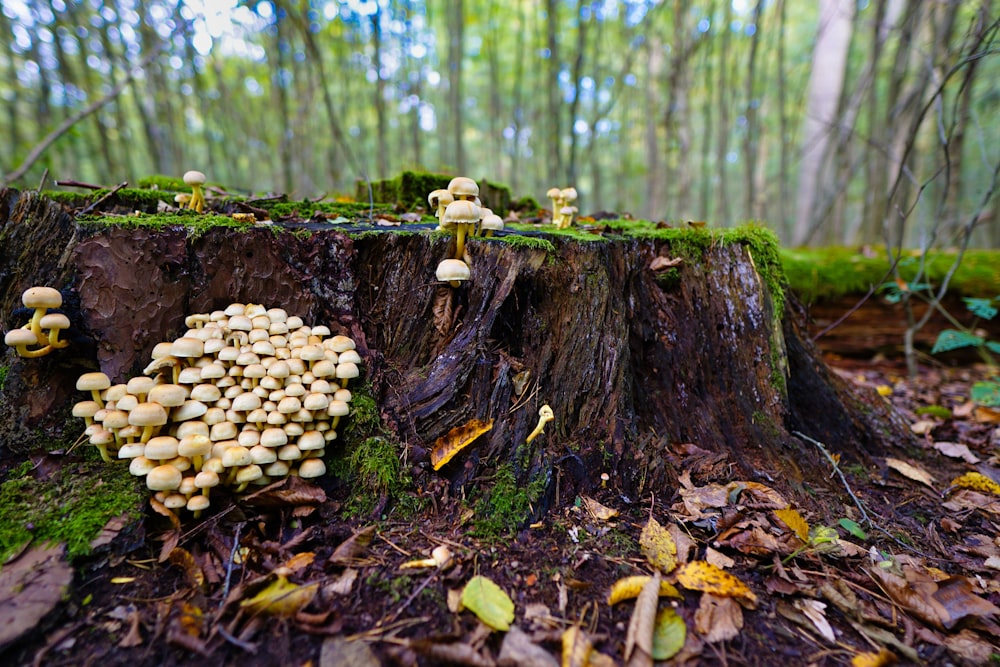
{"points": [[409, 189], [71, 506], [4, 370], [670, 279], [196, 223], [825, 273], [306, 209], [161, 182], [528, 242], [938, 411], [506, 506]]}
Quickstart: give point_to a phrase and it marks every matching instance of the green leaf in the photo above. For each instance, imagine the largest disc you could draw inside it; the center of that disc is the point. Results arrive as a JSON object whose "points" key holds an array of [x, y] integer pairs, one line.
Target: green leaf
{"points": [[669, 634], [488, 601], [986, 393], [983, 308], [993, 346], [952, 339], [853, 528]]}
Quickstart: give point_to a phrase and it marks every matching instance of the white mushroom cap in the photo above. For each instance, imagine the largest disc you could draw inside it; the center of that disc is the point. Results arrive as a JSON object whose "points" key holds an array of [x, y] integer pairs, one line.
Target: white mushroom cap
{"points": [[194, 178]]}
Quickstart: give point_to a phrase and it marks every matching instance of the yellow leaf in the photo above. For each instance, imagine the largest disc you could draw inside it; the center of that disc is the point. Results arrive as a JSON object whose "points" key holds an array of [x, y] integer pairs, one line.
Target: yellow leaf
{"points": [[658, 546], [701, 576], [884, 390], [597, 510], [883, 658], [299, 561], [627, 588], [977, 482], [576, 647], [457, 439], [122, 580], [281, 598], [791, 518], [488, 601]]}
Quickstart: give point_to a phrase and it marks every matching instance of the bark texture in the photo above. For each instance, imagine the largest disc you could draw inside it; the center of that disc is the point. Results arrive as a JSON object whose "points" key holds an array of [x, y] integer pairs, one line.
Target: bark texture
{"points": [[636, 366]]}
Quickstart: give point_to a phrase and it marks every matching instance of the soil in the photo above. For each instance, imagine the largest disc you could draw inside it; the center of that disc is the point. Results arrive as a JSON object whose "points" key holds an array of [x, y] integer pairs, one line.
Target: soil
{"points": [[129, 609]]}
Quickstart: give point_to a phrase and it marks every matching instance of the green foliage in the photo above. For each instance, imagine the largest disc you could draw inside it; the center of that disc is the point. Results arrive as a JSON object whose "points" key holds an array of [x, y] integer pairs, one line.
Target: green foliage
{"points": [[986, 393], [71, 506], [4, 370], [506, 506], [305, 209], [955, 339], [196, 223], [528, 242]]}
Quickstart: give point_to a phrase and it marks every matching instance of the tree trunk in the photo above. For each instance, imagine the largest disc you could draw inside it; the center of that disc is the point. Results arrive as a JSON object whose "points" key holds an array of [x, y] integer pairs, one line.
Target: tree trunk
{"points": [[825, 84], [633, 364]]}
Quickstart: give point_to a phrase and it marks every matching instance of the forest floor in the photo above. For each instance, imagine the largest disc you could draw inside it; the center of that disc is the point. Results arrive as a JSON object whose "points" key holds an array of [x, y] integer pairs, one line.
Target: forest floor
{"points": [[917, 584]]}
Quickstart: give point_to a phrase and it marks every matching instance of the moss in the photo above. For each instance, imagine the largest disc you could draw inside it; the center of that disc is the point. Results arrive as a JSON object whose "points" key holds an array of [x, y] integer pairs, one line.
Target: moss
{"points": [[71, 506], [938, 411], [525, 205], [408, 190], [528, 242], [670, 279], [306, 209], [161, 182], [196, 223], [816, 274], [506, 506], [4, 370]]}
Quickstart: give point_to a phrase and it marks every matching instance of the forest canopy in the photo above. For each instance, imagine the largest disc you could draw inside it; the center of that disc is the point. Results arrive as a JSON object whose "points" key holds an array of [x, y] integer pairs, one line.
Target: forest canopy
{"points": [[841, 121]]}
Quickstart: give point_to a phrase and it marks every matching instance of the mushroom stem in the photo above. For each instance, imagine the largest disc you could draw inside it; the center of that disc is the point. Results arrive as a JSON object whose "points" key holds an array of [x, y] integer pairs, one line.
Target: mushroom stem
{"points": [[103, 449], [36, 323], [544, 416], [460, 242], [23, 351], [147, 433], [197, 202]]}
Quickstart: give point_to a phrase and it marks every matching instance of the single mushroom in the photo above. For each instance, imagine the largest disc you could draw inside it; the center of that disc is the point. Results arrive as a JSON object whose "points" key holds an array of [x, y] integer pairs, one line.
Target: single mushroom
{"points": [[54, 323], [21, 339], [464, 188], [95, 383], [463, 215], [544, 417], [490, 224], [453, 271], [555, 194], [439, 200], [40, 299], [195, 179]]}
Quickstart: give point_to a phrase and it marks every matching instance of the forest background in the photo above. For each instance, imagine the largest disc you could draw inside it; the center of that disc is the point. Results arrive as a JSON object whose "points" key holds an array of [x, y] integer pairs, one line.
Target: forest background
{"points": [[832, 122]]}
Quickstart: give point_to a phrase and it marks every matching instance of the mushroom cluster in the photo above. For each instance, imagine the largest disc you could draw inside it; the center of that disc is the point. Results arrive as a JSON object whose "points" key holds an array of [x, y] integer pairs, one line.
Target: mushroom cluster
{"points": [[41, 334], [461, 213], [562, 206], [246, 396]]}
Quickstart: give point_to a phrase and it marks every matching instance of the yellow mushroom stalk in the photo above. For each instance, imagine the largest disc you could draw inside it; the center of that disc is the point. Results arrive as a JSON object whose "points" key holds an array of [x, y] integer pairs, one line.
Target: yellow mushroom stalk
{"points": [[544, 417], [195, 179]]}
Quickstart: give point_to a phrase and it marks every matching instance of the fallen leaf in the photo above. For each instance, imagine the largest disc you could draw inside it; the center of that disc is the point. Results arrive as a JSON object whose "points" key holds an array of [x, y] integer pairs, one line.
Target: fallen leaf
{"points": [[576, 647], [451, 443], [985, 415], [910, 471], [183, 559], [957, 451], [939, 604], [922, 426], [702, 576], [627, 588], [718, 618], [791, 518], [450, 653], [976, 482], [281, 598], [488, 602], [354, 547], [30, 587], [718, 559], [639, 638], [597, 510], [815, 611], [290, 491], [883, 658], [661, 263], [755, 495], [133, 637], [110, 531], [343, 584], [517, 650], [341, 652], [658, 546], [669, 634]]}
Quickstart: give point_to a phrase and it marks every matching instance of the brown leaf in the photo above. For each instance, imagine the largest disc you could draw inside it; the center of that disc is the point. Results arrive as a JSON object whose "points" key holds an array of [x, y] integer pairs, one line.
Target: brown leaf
{"points": [[354, 547], [30, 587], [639, 638], [916, 473], [444, 314], [597, 510], [290, 491], [457, 439], [956, 450], [183, 559], [718, 618], [661, 263], [133, 638], [453, 652], [517, 650], [110, 531], [940, 604], [340, 652]]}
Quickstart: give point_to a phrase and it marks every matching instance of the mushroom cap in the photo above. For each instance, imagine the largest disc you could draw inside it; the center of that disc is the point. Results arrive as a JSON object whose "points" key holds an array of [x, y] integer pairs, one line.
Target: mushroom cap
{"points": [[147, 414], [350, 357], [86, 408], [16, 337], [88, 381], [553, 193], [494, 222], [206, 393], [340, 344], [41, 297], [140, 466], [194, 445], [312, 468], [273, 437], [236, 455], [569, 194], [276, 469], [54, 321], [249, 473], [347, 371], [206, 479], [198, 503], [438, 197], [139, 385], [311, 440], [167, 395], [462, 186], [187, 346], [163, 478], [460, 212], [338, 408], [194, 177], [262, 455], [161, 448], [453, 269]]}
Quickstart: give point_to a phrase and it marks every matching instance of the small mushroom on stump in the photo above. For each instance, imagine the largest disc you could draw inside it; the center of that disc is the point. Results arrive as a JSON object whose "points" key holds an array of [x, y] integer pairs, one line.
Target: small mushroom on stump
{"points": [[544, 417], [195, 179]]}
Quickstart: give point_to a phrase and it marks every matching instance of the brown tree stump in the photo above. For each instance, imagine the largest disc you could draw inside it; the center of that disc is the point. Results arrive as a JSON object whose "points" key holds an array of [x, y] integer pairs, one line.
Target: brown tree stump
{"points": [[635, 367]]}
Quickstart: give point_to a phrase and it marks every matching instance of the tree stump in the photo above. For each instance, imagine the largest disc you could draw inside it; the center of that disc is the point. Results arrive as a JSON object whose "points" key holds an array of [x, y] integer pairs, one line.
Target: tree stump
{"points": [[643, 369]]}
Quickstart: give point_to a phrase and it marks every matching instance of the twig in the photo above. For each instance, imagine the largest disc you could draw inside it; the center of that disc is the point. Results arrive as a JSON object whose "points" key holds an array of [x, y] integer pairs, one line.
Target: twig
{"points": [[229, 565], [100, 201], [79, 184], [246, 646], [857, 502], [41, 181]]}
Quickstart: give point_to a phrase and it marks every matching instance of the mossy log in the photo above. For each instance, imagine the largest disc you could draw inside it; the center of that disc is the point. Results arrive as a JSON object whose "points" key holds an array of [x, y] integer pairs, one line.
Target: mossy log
{"points": [[635, 364]]}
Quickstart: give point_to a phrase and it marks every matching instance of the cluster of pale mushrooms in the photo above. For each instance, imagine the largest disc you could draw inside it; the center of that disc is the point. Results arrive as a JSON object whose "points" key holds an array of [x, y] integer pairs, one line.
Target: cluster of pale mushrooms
{"points": [[460, 212], [41, 334], [246, 396], [562, 206]]}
